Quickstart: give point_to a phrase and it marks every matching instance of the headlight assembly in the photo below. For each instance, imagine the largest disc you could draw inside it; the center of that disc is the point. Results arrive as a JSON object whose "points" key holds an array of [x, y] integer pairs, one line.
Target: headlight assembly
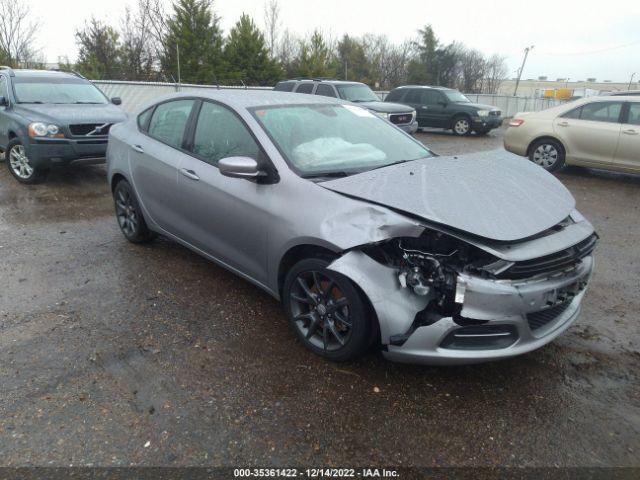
{"points": [[39, 129], [483, 113]]}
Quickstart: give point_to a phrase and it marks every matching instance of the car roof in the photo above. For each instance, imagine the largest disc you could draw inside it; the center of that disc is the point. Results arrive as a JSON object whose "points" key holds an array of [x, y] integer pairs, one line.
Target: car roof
{"points": [[322, 80], [241, 98], [425, 87], [41, 73]]}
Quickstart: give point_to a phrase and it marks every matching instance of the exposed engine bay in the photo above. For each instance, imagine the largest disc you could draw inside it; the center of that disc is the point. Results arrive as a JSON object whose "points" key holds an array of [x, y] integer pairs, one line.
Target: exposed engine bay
{"points": [[429, 266]]}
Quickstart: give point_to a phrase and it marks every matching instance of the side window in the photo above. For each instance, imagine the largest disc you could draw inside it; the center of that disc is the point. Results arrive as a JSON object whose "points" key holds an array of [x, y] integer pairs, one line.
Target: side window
{"points": [[431, 97], [395, 95], [325, 90], [575, 113], [169, 121], [305, 88], [414, 96], [220, 134], [284, 86], [634, 114], [143, 119], [3, 86], [601, 112]]}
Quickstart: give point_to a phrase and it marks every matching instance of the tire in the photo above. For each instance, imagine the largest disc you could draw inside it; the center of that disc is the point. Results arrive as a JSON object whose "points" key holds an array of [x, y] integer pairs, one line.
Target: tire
{"points": [[129, 215], [547, 153], [461, 125], [19, 165], [326, 311]]}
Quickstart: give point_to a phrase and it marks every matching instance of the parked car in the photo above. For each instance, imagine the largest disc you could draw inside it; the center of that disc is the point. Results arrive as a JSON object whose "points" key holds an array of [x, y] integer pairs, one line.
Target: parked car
{"points": [[623, 93], [399, 115], [446, 108], [602, 132], [362, 232], [50, 118]]}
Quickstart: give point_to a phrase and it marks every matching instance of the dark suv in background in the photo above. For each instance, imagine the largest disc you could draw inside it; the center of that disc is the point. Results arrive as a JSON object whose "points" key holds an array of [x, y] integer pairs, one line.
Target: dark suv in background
{"points": [[52, 118], [399, 115], [446, 108]]}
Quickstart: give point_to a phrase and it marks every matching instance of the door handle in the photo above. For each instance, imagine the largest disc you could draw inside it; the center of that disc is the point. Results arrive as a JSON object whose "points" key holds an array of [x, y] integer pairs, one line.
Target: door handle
{"points": [[630, 132], [189, 174], [563, 124], [138, 148]]}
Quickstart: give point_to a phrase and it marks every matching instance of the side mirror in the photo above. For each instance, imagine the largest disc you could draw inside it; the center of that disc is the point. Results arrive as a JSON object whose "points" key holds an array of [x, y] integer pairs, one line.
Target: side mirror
{"points": [[240, 167], [116, 101], [3, 101]]}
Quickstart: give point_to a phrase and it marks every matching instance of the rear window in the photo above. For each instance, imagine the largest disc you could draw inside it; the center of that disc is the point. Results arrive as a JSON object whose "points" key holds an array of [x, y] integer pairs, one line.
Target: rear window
{"points": [[284, 87]]}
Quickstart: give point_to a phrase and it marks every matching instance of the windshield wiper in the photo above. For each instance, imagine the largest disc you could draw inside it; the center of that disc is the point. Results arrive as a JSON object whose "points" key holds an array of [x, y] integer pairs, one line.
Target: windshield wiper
{"points": [[392, 163], [87, 103], [37, 101], [325, 174]]}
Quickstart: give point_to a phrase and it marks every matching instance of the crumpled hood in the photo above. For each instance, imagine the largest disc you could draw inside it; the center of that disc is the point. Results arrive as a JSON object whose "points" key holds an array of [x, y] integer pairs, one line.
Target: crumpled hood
{"points": [[71, 114], [495, 195], [386, 107]]}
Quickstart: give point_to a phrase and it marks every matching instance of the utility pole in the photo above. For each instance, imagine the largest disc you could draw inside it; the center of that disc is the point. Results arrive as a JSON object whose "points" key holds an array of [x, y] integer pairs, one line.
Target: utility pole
{"points": [[524, 60], [631, 81]]}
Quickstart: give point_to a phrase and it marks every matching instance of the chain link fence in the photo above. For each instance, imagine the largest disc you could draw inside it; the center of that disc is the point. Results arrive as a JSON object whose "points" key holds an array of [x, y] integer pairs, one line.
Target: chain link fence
{"points": [[137, 94]]}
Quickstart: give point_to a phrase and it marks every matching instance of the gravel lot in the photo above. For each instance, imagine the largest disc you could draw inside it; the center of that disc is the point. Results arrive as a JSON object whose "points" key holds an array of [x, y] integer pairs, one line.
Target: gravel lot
{"points": [[116, 354]]}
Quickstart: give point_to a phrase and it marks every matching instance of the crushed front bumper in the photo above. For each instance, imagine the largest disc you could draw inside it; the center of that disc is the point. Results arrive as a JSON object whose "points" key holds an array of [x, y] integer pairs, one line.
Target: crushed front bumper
{"points": [[499, 318]]}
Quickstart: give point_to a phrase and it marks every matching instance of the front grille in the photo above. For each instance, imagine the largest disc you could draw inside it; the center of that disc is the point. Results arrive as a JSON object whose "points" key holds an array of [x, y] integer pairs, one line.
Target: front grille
{"points": [[90, 129], [400, 119], [557, 261], [539, 319], [495, 113]]}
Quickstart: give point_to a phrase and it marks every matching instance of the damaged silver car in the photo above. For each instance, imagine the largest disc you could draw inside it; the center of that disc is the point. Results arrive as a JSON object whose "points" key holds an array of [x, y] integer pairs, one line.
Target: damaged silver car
{"points": [[364, 234]]}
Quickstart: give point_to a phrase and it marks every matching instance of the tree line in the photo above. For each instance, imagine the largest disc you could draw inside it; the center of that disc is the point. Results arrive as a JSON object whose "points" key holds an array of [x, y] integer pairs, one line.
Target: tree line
{"points": [[186, 43]]}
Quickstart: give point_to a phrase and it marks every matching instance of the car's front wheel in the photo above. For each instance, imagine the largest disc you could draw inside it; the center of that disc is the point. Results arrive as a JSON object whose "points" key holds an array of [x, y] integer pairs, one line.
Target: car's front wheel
{"points": [[547, 153], [461, 125], [326, 311], [129, 215], [20, 165]]}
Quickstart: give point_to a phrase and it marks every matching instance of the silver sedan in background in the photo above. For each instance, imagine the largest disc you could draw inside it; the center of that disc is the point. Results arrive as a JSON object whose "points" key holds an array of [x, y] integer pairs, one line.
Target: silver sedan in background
{"points": [[365, 235]]}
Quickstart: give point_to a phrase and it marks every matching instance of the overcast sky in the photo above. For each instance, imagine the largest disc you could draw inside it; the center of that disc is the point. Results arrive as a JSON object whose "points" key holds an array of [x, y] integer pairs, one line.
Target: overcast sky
{"points": [[575, 39]]}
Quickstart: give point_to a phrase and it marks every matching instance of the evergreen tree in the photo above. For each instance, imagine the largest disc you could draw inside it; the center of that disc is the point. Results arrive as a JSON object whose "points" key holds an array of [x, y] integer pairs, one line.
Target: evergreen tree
{"points": [[194, 30], [424, 69], [314, 58], [352, 62], [98, 51], [247, 57]]}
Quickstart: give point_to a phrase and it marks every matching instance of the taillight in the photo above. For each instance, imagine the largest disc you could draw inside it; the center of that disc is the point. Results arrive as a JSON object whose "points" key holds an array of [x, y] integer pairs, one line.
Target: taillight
{"points": [[516, 122]]}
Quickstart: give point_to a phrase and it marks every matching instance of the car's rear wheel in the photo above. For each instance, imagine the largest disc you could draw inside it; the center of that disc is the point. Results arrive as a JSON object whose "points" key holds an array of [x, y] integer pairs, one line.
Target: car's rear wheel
{"points": [[326, 311], [461, 125], [547, 153], [129, 215], [20, 166]]}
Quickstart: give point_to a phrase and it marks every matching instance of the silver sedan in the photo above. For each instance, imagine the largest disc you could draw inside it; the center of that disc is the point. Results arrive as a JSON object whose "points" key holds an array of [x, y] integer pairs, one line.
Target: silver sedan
{"points": [[365, 235]]}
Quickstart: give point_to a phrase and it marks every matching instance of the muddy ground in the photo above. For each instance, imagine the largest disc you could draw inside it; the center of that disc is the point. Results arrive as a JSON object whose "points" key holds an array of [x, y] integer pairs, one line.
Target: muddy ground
{"points": [[117, 354]]}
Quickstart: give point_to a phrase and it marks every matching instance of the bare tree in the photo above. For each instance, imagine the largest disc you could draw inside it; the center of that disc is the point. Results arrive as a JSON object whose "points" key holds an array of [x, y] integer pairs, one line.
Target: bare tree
{"points": [[496, 72], [17, 33], [139, 52], [388, 61], [472, 71], [272, 25]]}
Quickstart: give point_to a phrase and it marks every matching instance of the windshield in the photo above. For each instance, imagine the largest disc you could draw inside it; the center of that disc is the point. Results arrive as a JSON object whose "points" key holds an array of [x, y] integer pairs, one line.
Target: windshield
{"points": [[328, 138], [456, 97], [357, 93], [48, 90]]}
